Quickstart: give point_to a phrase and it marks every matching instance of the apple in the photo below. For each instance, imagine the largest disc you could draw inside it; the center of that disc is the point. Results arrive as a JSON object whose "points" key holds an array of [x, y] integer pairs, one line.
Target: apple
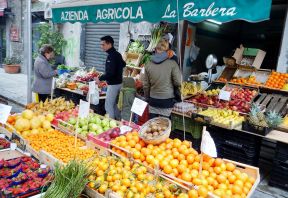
{"points": [[72, 121], [94, 127], [78, 130], [105, 122], [85, 128], [113, 124]]}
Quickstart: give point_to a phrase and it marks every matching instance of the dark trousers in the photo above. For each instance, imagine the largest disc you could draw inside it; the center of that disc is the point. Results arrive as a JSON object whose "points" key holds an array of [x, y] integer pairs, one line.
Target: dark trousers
{"points": [[43, 97]]}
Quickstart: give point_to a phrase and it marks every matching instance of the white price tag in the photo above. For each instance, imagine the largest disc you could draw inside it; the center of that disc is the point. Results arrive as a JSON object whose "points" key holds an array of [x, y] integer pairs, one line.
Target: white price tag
{"points": [[224, 95], [2, 136], [83, 109], [13, 146], [138, 106], [92, 87], [43, 166], [53, 83], [124, 129], [4, 113], [27, 154], [207, 144]]}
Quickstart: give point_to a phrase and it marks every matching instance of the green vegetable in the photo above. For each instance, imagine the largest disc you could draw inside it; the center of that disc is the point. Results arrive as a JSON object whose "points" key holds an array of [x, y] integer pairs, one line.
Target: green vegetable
{"points": [[156, 36], [70, 180], [145, 59], [136, 47], [64, 67]]}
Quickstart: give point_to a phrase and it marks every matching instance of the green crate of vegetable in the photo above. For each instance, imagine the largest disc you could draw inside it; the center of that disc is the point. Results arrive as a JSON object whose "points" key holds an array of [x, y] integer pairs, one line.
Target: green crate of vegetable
{"points": [[191, 126]]}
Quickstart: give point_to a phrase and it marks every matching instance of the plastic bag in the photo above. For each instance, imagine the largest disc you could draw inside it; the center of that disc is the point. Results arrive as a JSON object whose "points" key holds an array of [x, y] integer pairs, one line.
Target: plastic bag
{"points": [[94, 98]]}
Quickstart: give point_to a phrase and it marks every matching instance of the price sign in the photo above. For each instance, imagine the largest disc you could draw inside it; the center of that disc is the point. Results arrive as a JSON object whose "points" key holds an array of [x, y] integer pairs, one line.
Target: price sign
{"points": [[92, 87], [207, 144], [53, 83], [83, 109], [4, 113], [224, 95], [2, 136], [138, 106], [19, 141]]}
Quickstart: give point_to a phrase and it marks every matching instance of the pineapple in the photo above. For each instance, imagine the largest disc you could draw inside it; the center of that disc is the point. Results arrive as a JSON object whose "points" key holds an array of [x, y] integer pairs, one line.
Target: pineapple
{"points": [[253, 119], [260, 115], [273, 119]]}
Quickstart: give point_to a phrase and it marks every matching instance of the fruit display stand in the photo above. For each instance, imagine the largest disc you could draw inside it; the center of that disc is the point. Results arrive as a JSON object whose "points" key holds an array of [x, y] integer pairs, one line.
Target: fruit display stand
{"points": [[25, 181]]}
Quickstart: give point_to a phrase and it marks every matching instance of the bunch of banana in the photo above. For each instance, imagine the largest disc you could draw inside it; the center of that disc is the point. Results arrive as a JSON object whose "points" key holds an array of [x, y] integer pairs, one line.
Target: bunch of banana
{"points": [[54, 106], [188, 88]]}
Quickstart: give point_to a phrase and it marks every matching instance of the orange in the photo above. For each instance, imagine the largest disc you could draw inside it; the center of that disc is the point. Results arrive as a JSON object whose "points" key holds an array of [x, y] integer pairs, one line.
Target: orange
{"points": [[175, 172], [181, 168], [230, 166], [174, 163], [221, 179], [236, 190], [217, 170], [168, 169], [181, 157], [186, 176], [197, 181], [231, 179], [195, 165], [163, 163], [239, 183], [202, 191], [190, 158], [193, 193]]}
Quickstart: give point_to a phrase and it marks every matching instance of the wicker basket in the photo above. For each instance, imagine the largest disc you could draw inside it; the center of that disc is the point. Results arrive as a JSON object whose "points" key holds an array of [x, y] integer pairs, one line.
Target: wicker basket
{"points": [[159, 139]]}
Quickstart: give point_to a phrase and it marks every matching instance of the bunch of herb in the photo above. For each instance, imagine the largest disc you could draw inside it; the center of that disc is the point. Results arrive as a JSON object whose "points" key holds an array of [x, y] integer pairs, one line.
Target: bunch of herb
{"points": [[70, 180]]}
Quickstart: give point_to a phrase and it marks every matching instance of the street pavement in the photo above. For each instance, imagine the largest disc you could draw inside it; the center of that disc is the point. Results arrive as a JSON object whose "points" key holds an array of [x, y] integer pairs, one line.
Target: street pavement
{"points": [[13, 87]]}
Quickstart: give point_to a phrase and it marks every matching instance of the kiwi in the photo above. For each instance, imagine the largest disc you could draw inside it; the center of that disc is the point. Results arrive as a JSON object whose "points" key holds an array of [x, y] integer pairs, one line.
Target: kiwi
{"points": [[155, 134]]}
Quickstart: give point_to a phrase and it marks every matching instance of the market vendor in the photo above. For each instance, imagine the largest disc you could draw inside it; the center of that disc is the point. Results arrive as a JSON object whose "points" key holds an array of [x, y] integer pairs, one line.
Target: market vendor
{"points": [[161, 77], [113, 76], [43, 73]]}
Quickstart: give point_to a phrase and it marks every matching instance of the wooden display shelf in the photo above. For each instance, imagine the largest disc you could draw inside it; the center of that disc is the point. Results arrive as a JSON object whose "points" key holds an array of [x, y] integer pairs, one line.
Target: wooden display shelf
{"points": [[80, 92]]}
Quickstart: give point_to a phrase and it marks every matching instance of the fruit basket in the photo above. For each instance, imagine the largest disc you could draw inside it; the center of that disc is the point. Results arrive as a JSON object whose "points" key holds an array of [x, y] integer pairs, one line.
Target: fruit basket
{"points": [[155, 130]]}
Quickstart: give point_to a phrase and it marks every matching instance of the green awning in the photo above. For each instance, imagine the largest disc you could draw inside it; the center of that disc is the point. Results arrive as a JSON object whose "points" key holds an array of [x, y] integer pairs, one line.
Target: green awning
{"points": [[162, 10]]}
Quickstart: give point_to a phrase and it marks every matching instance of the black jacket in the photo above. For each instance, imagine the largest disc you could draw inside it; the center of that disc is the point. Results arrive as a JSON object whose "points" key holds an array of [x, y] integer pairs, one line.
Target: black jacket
{"points": [[113, 68]]}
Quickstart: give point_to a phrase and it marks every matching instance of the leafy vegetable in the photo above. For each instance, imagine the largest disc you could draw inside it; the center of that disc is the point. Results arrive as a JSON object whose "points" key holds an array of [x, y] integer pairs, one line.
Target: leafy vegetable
{"points": [[70, 180], [64, 67], [145, 59], [136, 47], [156, 35]]}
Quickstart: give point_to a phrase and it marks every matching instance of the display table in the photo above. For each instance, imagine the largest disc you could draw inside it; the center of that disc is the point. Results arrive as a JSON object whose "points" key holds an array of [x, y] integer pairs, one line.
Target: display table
{"points": [[76, 96]]}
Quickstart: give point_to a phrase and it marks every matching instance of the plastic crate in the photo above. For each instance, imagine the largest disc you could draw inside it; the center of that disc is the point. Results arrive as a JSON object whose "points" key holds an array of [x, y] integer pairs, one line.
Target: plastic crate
{"points": [[191, 126]]}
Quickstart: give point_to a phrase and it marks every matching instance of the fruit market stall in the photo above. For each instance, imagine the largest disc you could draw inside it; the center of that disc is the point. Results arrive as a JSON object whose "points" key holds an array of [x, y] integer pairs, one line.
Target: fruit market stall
{"points": [[153, 164]]}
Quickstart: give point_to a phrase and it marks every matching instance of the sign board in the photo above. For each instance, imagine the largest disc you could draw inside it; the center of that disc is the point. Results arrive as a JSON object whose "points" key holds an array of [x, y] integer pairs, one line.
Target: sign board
{"points": [[139, 106], [154, 11], [207, 144], [21, 144], [224, 95], [92, 87], [4, 113], [14, 34], [84, 108]]}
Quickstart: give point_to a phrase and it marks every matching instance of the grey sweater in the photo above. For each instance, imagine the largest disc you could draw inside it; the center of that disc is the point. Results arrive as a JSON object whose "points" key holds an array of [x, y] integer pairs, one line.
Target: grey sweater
{"points": [[43, 76], [160, 78]]}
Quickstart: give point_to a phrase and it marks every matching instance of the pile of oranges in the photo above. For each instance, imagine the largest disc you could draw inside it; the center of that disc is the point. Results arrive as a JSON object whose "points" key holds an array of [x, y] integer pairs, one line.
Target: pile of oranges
{"points": [[276, 80], [129, 179], [179, 159], [60, 145], [222, 79], [250, 80]]}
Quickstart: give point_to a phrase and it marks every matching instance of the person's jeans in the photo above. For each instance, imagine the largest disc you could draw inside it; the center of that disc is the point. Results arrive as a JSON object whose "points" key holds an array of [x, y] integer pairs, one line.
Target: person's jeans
{"points": [[111, 101]]}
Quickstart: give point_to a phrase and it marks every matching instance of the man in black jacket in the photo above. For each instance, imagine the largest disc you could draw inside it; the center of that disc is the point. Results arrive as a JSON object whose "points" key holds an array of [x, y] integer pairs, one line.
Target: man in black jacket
{"points": [[113, 76]]}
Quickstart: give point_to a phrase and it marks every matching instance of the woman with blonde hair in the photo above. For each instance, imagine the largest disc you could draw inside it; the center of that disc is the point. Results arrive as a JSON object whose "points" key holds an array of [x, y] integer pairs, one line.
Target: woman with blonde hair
{"points": [[161, 77]]}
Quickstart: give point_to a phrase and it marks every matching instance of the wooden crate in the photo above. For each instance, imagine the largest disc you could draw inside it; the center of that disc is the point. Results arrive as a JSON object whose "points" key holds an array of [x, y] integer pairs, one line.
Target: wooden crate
{"points": [[227, 73], [273, 102], [132, 59], [33, 152]]}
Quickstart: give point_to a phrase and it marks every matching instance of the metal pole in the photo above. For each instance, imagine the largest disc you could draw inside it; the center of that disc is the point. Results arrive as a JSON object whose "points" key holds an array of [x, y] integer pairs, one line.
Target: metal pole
{"points": [[29, 51]]}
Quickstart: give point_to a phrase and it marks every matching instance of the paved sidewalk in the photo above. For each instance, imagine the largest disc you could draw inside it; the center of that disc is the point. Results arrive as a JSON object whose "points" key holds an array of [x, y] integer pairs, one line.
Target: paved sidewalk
{"points": [[13, 87]]}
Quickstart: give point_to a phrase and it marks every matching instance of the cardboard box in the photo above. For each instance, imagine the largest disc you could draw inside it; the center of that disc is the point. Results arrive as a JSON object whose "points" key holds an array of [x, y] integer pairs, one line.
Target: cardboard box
{"points": [[249, 56]]}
